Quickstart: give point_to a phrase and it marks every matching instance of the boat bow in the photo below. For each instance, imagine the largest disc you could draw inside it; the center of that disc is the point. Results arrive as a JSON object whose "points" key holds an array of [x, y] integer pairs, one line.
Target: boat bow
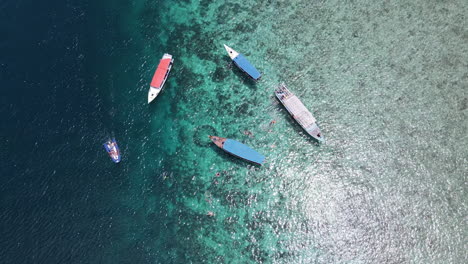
{"points": [[232, 53], [152, 94]]}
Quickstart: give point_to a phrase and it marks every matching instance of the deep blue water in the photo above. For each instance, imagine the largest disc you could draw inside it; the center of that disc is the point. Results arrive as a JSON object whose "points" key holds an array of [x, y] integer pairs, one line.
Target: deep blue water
{"points": [[53, 192]]}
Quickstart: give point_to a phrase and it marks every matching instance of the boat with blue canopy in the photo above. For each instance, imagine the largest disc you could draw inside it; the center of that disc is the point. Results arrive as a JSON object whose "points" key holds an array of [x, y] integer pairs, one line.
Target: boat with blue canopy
{"points": [[243, 63], [238, 149]]}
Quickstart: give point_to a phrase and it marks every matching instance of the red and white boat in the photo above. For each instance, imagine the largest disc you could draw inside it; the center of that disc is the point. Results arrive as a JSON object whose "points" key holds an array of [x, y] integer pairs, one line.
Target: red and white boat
{"points": [[160, 76]]}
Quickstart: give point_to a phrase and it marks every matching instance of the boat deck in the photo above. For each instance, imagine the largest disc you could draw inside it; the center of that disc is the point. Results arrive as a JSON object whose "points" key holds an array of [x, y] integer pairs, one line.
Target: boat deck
{"points": [[295, 107], [298, 111], [238, 149], [246, 66]]}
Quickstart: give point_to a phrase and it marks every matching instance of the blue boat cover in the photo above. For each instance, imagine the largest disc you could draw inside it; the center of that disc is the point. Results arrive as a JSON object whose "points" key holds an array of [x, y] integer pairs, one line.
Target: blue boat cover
{"points": [[243, 151], [246, 66]]}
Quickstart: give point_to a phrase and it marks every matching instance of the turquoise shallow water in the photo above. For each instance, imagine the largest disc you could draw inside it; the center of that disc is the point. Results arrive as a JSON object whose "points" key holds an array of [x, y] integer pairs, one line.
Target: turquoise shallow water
{"points": [[387, 82]]}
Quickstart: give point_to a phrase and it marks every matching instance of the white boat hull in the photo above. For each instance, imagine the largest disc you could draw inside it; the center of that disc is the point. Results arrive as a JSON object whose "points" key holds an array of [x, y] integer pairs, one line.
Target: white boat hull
{"points": [[153, 93]]}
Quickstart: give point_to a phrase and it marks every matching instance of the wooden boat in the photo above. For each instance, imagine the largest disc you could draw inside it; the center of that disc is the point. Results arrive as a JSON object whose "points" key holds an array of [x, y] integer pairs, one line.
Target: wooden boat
{"points": [[243, 63], [238, 149], [299, 112], [160, 76]]}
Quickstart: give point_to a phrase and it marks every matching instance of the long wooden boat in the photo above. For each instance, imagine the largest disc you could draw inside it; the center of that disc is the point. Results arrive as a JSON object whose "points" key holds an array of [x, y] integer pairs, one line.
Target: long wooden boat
{"points": [[299, 112], [238, 149]]}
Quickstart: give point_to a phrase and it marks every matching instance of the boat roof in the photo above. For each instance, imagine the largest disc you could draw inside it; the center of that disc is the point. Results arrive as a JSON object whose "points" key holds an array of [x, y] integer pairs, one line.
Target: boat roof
{"points": [[245, 65], [160, 74], [299, 111], [243, 151]]}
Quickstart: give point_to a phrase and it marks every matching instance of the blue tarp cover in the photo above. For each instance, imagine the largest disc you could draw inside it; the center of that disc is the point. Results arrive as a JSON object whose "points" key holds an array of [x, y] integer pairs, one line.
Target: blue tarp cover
{"points": [[245, 65], [243, 151]]}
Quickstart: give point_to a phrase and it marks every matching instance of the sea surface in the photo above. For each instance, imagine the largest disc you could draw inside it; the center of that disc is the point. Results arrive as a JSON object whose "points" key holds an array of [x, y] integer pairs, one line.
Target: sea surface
{"points": [[386, 80]]}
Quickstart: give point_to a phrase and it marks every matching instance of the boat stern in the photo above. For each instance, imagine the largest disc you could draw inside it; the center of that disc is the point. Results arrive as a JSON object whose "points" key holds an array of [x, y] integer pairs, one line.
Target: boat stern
{"points": [[232, 53], [315, 132], [113, 150], [219, 141], [167, 56], [117, 158]]}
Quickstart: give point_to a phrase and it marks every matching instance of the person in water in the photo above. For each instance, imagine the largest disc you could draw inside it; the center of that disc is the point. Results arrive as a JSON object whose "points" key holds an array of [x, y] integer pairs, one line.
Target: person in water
{"points": [[271, 124], [248, 133]]}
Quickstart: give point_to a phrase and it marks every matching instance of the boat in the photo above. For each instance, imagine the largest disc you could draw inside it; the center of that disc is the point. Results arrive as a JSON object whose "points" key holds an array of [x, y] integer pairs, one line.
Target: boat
{"points": [[160, 76], [113, 150], [243, 63], [299, 112], [238, 149]]}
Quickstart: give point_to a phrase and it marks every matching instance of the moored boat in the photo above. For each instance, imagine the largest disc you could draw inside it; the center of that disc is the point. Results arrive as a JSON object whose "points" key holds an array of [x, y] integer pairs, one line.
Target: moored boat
{"points": [[238, 149], [113, 150], [243, 63], [299, 112], [160, 76]]}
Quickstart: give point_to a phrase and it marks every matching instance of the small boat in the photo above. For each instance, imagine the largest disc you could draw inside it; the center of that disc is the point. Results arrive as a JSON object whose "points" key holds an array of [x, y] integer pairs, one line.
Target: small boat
{"points": [[160, 76], [243, 63], [238, 149], [299, 112], [113, 150]]}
